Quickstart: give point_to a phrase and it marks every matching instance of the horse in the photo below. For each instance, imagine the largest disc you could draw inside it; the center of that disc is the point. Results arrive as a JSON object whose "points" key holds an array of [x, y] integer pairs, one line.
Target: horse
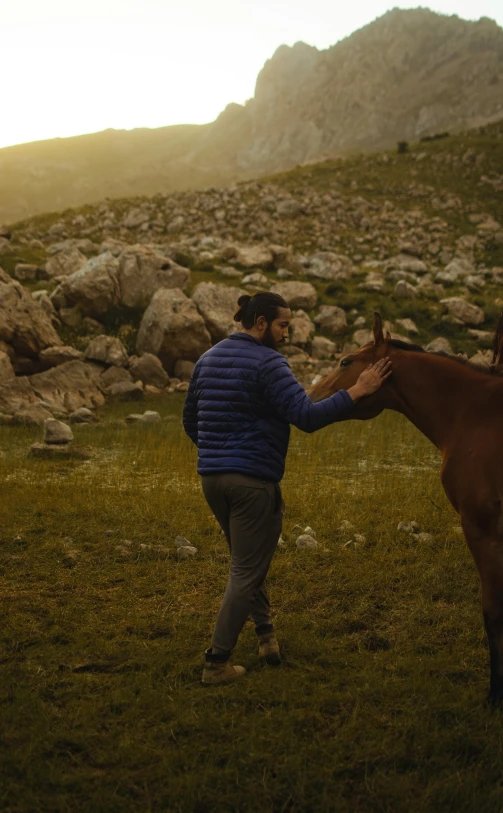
{"points": [[458, 406]]}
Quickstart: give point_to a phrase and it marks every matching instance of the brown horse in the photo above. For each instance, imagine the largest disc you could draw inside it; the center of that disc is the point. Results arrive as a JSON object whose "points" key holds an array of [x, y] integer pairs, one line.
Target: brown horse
{"points": [[459, 407]]}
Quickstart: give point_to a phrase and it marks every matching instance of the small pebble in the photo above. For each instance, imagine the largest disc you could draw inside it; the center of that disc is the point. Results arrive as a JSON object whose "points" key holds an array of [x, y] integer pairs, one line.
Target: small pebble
{"points": [[309, 531], [182, 542], [346, 525], [360, 538], [281, 542]]}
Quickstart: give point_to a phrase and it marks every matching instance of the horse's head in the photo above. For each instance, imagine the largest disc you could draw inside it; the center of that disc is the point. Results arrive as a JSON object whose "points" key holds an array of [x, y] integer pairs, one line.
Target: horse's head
{"points": [[348, 371]]}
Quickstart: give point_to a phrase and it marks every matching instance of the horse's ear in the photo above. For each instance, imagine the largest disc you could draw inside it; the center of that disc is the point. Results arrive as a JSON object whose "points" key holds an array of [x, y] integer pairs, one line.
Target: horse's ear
{"points": [[388, 335], [498, 344], [377, 329]]}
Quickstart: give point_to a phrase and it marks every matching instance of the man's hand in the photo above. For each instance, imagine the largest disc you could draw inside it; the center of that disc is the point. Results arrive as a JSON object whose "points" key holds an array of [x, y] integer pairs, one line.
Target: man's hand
{"points": [[371, 379]]}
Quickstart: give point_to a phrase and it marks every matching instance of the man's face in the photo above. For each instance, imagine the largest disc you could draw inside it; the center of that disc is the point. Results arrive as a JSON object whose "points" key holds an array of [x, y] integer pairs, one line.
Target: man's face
{"points": [[277, 332]]}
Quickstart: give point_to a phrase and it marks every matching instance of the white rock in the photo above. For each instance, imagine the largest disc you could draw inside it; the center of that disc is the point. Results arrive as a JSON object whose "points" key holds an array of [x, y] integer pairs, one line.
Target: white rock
{"points": [[297, 294], [468, 313], [308, 530], [186, 552], [439, 345], [306, 541], [107, 349], [404, 290], [181, 541], [409, 527], [425, 537], [217, 304]]}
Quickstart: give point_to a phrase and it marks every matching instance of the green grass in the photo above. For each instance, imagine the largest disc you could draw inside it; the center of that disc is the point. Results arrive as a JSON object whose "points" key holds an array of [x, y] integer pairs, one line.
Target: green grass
{"points": [[379, 704]]}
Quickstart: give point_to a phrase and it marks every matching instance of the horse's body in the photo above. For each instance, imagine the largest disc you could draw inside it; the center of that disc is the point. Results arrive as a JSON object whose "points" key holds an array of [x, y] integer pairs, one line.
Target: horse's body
{"points": [[460, 409]]}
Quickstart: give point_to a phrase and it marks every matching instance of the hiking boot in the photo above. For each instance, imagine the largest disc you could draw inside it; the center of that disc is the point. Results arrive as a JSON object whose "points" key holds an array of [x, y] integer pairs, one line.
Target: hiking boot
{"points": [[218, 669], [268, 649]]}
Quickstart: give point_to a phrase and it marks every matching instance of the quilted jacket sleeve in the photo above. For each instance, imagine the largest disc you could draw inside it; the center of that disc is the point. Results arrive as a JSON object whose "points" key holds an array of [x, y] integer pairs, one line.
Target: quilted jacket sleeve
{"points": [[291, 402], [190, 408]]}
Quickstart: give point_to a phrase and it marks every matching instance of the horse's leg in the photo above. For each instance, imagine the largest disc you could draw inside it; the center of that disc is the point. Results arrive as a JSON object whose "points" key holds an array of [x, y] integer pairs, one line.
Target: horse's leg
{"points": [[486, 547]]}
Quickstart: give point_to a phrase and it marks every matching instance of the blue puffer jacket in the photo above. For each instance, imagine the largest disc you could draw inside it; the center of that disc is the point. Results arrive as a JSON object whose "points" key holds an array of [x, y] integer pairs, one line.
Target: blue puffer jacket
{"points": [[241, 399]]}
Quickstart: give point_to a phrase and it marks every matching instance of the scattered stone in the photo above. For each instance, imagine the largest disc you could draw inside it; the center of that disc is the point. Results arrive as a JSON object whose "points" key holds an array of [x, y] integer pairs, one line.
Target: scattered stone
{"points": [[60, 354], [51, 451], [297, 294], [149, 369], [32, 414], [322, 348], [83, 415], [57, 432], [186, 552], [408, 325], [113, 375], [147, 417], [26, 272], [306, 541], [181, 541], [125, 391], [346, 525], [404, 290], [308, 530], [424, 537], [409, 527]]}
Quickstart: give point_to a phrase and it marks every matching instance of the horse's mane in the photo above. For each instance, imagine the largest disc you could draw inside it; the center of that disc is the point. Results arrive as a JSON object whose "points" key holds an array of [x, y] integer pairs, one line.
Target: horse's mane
{"points": [[416, 348]]}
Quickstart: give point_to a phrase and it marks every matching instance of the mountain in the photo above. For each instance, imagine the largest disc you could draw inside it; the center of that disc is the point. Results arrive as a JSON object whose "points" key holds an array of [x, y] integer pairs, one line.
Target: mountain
{"points": [[408, 74]]}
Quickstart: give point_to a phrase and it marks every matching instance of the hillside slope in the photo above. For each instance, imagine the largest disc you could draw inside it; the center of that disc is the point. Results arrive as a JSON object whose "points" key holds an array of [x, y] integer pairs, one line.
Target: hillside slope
{"points": [[409, 73]]}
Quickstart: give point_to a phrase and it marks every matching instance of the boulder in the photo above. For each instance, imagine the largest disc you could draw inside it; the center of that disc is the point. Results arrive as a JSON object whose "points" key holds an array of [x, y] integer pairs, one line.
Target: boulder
{"points": [[51, 451], [149, 369], [108, 350], [142, 272], [287, 209], [301, 328], [5, 246], [373, 282], [23, 322], [172, 328], [69, 386], [114, 374], [32, 415], [327, 265], [254, 257], [26, 272], [404, 290], [95, 286], [407, 263], [257, 280], [439, 345], [322, 348], [464, 311], [125, 391], [363, 336], [183, 369], [408, 325], [59, 354], [217, 304], [15, 392], [332, 319], [65, 262], [297, 294], [57, 432]]}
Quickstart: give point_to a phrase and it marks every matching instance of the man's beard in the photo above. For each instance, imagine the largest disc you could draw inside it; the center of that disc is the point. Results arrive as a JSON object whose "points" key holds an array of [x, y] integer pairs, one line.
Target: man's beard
{"points": [[268, 339]]}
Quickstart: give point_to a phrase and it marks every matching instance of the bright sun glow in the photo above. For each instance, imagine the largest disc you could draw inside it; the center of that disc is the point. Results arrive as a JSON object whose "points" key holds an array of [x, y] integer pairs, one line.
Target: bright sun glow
{"points": [[87, 65]]}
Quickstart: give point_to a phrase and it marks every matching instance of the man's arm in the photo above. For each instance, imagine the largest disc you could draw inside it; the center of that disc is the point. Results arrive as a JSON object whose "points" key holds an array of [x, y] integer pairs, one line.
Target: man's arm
{"points": [[189, 418], [291, 402]]}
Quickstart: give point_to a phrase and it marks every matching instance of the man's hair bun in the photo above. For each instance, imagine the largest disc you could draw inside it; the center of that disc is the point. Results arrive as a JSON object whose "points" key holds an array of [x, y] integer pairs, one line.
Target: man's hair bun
{"points": [[243, 302]]}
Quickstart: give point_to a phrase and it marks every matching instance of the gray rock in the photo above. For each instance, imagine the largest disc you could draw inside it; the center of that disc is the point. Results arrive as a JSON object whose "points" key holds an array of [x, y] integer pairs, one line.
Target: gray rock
{"points": [[217, 304], [108, 350], [149, 369], [124, 391], [465, 311], [52, 451], [254, 257], [57, 432], [322, 348], [181, 541], [32, 414], [409, 527], [361, 337], [24, 325], [187, 552], [183, 369], [69, 386], [301, 328], [83, 415], [404, 290], [306, 541], [439, 345], [60, 354], [256, 280], [147, 417], [172, 328], [26, 272], [65, 262], [113, 375], [332, 319], [297, 294]]}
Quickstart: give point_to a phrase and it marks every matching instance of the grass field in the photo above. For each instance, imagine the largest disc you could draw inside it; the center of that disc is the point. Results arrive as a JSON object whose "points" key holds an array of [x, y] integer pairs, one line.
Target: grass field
{"points": [[379, 704]]}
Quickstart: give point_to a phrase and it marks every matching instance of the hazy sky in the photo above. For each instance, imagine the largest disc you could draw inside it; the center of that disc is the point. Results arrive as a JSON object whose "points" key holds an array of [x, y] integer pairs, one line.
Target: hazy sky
{"points": [[78, 66]]}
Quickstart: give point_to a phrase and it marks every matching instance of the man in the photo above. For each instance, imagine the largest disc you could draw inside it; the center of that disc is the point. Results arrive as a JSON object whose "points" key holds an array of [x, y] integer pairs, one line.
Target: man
{"points": [[241, 400]]}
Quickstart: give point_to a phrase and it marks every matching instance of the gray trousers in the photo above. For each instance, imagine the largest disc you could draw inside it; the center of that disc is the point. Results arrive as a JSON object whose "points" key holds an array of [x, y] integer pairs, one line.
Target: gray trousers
{"points": [[250, 513]]}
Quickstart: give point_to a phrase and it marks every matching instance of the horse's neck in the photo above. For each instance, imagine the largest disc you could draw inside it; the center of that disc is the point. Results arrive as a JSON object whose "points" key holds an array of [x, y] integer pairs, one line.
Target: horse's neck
{"points": [[428, 390]]}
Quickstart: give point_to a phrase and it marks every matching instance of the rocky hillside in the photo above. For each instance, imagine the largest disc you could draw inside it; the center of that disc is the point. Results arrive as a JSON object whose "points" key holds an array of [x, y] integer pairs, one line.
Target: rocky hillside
{"points": [[121, 298], [409, 74]]}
